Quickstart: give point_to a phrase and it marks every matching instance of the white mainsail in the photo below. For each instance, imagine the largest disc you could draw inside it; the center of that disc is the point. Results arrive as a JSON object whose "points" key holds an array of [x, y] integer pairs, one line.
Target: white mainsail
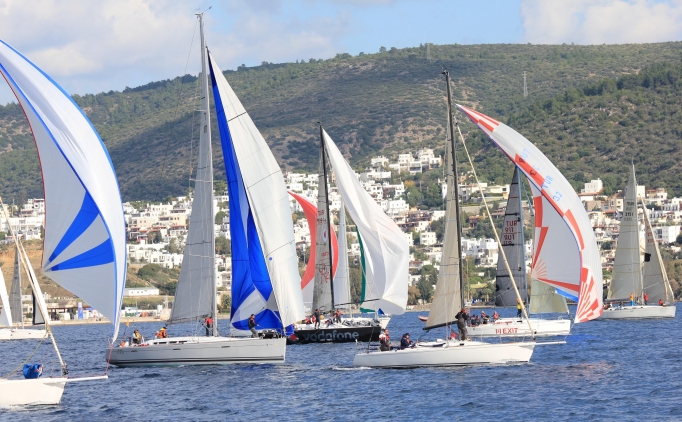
{"points": [[6, 312], [195, 293], [514, 249], [84, 245], [322, 287], [341, 279], [268, 200], [654, 277], [15, 292], [566, 209], [447, 300], [385, 248], [627, 269]]}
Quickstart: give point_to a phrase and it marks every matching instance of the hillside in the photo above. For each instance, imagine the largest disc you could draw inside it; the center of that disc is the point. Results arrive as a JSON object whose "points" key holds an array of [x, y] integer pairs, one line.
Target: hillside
{"points": [[370, 104]]}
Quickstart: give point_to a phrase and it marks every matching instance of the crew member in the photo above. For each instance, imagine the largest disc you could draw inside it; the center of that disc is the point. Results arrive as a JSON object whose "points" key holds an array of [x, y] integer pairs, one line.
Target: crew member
{"points": [[484, 317], [252, 326], [496, 316], [405, 342], [519, 310], [317, 316], [338, 316], [646, 298], [385, 341], [208, 323], [632, 299], [162, 333], [137, 337], [660, 302], [462, 318]]}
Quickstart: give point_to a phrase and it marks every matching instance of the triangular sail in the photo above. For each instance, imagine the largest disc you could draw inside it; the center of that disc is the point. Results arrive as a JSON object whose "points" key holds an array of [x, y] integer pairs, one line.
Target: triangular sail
{"points": [[310, 212], [265, 278], [385, 248], [545, 300], [322, 289], [514, 249], [627, 272], [447, 300], [563, 202], [6, 312], [341, 279], [84, 245], [15, 292], [195, 293], [39, 306], [654, 277]]}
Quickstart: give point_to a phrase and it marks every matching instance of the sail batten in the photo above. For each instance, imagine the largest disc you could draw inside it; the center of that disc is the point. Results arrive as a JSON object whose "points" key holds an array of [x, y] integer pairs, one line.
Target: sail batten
{"points": [[77, 171]]}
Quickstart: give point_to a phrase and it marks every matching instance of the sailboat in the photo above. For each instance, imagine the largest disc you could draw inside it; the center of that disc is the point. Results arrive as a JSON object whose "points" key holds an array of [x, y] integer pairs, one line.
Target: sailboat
{"points": [[265, 279], [448, 298], [633, 275], [331, 286], [543, 297], [84, 242], [12, 315]]}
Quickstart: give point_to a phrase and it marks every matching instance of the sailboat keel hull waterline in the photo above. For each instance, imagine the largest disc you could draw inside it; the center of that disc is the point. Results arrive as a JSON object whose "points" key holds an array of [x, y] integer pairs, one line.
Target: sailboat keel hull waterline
{"points": [[453, 353], [21, 334], [178, 351], [639, 311], [514, 327], [359, 329]]}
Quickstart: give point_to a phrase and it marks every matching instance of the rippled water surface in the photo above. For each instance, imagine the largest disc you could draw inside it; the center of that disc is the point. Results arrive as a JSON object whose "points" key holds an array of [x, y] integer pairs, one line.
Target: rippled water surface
{"points": [[607, 370]]}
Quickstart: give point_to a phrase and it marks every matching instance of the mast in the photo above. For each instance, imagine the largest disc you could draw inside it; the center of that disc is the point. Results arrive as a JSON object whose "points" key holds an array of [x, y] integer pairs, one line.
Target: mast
{"points": [[451, 124], [329, 222], [206, 129]]}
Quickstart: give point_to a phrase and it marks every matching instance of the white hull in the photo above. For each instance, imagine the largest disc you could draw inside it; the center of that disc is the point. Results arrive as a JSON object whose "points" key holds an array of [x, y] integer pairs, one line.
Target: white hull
{"points": [[29, 392], [451, 353], [177, 351], [21, 334], [513, 327], [639, 311]]}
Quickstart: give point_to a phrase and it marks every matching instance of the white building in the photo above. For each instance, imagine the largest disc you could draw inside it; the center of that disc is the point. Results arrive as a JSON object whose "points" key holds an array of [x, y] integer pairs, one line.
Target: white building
{"points": [[427, 238], [140, 291]]}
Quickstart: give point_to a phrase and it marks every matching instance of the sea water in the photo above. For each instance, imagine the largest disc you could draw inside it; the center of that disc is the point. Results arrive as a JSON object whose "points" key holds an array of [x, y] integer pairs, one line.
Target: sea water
{"points": [[624, 370]]}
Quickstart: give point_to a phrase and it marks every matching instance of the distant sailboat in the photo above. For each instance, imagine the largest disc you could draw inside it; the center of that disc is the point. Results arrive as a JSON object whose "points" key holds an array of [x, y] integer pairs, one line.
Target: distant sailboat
{"points": [[84, 244], [633, 275], [265, 279], [543, 297]]}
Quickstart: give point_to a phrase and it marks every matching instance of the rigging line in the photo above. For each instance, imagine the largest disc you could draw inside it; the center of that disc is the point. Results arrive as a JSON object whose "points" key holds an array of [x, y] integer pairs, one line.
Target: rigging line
{"points": [[177, 103]]}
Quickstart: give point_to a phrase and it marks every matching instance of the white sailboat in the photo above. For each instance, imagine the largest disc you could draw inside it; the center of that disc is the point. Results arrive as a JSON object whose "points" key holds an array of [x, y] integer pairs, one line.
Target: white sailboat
{"points": [[84, 244], [633, 275], [12, 315], [265, 277], [543, 297]]}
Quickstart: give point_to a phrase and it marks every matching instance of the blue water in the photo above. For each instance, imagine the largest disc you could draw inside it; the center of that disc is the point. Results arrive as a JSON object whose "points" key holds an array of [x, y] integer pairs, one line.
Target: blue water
{"points": [[623, 370]]}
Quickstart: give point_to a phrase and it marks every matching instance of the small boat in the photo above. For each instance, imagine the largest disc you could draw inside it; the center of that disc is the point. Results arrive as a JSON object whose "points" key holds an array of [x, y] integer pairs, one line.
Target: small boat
{"points": [[634, 274], [84, 241], [265, 278], [423, 318]]}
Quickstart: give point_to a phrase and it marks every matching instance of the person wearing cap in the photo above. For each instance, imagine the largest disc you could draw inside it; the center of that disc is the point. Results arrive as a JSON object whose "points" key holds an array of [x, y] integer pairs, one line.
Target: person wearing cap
{"points": [[162, 333], [137, 337], [405, 342], [385, 341], [462, 318]]}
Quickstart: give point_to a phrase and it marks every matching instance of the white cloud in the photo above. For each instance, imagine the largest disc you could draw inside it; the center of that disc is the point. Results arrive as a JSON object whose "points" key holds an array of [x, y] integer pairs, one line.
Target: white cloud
{"points": [[601, 21]]}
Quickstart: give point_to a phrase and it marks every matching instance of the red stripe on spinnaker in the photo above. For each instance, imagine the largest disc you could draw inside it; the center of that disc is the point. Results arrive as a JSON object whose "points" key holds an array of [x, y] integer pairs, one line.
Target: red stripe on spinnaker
{"points": [[561, 284]]}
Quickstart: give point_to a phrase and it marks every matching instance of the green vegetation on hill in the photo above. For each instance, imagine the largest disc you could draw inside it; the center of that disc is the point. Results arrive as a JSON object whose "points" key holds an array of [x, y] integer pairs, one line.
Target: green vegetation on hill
{"points": [[378, 103]]}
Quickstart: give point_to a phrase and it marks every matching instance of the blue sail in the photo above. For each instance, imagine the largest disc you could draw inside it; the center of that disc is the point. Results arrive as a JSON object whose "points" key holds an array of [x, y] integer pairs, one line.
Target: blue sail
{"points": [[252, 291]]}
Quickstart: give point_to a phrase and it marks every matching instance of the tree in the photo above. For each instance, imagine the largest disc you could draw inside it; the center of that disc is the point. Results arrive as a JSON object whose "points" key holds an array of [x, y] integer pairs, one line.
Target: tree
{"points": [[155, 237], [219, 217], [219, 187], [225, 303], [679, 239], [223, 246], [607, 245], [173, 246], [425, 288], [413, 295], [382, 49]]}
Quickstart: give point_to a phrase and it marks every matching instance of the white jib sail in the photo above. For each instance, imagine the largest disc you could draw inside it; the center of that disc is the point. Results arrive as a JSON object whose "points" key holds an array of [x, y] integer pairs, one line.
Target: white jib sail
{"points": [[341, 280], [15, 292], [654, 277], [386, 249], [84, 246], [447, 298], [6, 312], [40, 315], [269, 200], [195, 292], [563, 201], [545, 300], [627, 272]]}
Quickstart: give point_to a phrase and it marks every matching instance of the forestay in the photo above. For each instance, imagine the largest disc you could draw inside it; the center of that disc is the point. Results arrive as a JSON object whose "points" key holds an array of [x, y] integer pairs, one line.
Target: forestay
{"points": [[564, 207], [310, 212], [627, 271], [654, 277], [84, 246], [385, 248], [265, 274], [514, 249], [447, 300]]}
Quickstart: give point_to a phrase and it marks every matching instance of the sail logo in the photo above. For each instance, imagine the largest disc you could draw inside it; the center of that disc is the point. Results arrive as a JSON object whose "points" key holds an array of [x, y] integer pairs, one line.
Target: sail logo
{"points": [[334, 335]]}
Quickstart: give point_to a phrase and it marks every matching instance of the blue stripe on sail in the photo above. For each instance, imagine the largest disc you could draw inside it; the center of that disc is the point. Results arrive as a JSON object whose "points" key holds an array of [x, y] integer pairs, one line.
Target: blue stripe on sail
{"points": [[566, 295], [99, 255], [249, 271], [87, 214]]}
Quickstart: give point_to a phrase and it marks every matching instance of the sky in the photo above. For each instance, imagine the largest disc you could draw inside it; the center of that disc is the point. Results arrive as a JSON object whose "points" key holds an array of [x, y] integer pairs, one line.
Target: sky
{"points": [[96, 46]]}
